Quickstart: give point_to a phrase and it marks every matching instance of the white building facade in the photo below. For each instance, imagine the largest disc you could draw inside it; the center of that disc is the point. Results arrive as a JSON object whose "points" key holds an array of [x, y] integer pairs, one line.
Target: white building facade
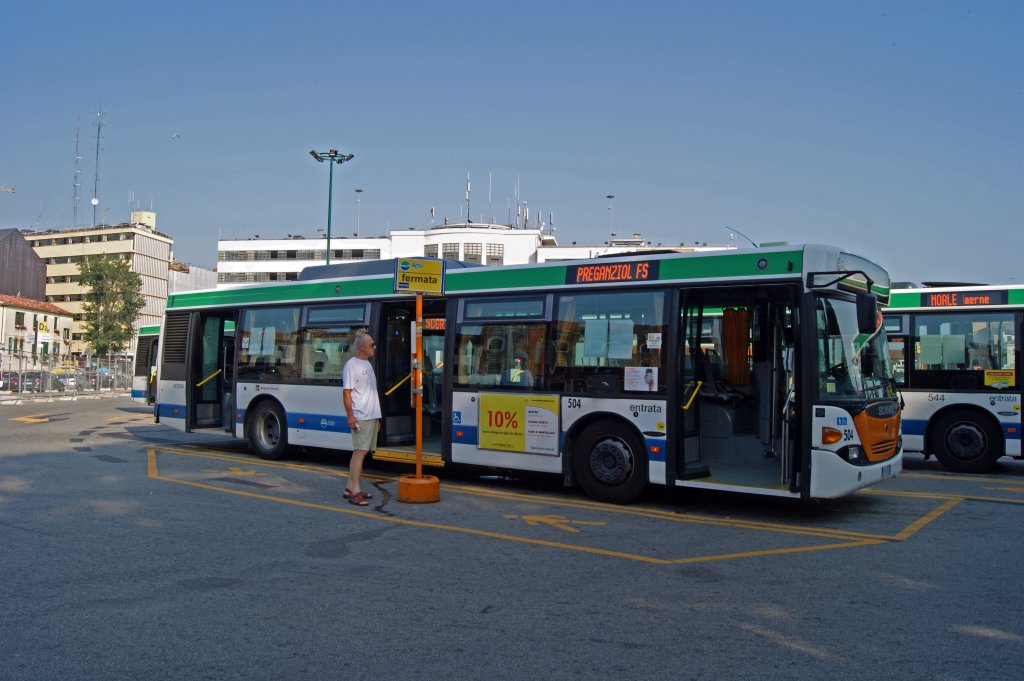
{"points": [[35, 334], [256, 259]]}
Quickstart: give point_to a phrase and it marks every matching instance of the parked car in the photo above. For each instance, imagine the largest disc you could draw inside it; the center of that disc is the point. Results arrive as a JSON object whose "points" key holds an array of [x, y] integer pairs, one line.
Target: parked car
{"points": [[31, 382], [52, 382]]}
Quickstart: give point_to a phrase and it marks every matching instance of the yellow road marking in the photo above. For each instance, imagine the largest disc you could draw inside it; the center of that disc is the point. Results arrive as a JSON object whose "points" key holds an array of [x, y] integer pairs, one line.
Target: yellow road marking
{"points": [[38, 418], [921, 522], [638, 511], [1015, 490], [949, 476], [853, 539], [940, 495], [233, 470], [559, 522]]}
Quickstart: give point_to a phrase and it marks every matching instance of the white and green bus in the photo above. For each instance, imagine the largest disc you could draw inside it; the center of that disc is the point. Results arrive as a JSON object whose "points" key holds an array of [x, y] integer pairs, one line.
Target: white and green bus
{"points": [[957, 353], [144, 371], [761, 371]]}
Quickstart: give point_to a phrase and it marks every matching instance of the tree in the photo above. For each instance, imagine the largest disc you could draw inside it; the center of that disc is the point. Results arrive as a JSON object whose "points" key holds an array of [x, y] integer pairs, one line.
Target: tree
{"points": [[112, 303]]}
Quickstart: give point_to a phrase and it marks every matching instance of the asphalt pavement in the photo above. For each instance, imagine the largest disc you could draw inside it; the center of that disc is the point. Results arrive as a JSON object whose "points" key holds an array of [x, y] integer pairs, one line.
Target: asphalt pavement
{"points": [[134, 551]]}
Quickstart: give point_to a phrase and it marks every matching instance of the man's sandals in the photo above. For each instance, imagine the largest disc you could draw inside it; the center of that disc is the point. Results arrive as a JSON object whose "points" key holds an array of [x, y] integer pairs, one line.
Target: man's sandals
{"points": [[357, 498]]}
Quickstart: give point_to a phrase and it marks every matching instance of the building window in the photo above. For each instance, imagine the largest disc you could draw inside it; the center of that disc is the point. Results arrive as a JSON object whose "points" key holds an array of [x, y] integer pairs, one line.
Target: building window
{"points": [[495, 254], [474, 253], [430, 251], [450, 251]]}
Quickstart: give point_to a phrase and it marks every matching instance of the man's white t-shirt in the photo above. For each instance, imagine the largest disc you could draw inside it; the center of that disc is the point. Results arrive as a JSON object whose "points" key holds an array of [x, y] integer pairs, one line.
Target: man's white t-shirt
{"points": [[358, 377]]}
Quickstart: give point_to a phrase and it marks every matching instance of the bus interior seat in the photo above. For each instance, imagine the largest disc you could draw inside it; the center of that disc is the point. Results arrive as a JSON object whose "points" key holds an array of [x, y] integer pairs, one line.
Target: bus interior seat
{"points": [[495, 355]]}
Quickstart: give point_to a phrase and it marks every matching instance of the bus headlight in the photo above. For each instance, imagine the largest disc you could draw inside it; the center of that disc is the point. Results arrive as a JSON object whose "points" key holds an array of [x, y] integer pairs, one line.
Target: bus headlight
{"points": [[853, 454]]}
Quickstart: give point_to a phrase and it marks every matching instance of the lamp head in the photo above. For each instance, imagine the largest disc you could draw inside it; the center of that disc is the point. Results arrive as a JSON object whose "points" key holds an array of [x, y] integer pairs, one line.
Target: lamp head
{"points": [[316, 156]]}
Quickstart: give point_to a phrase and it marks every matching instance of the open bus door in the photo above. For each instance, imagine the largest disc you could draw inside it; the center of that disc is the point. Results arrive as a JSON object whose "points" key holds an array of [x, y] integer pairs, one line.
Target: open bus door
{"points": [[394, 356], [735, 373], [198, 360]]}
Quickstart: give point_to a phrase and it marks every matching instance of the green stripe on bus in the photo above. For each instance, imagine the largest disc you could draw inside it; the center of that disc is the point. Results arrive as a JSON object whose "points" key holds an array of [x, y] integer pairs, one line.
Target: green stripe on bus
{"points": [[149, 330], [904, 299], [686, 268], [488, 280], [319, 290], [738, 265]]}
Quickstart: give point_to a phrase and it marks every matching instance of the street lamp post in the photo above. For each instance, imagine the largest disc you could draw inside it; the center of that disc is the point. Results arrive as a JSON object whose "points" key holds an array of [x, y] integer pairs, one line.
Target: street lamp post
{"points": [[331, 157], [358, 193], [610, 232]]}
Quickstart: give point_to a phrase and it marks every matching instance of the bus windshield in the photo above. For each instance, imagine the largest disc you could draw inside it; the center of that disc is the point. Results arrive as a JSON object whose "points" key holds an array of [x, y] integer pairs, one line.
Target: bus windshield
{"points": [[852, 366]]}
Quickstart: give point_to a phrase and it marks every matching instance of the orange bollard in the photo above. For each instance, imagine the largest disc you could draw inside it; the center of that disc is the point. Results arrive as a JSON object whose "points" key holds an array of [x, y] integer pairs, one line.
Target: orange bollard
{"points": [[419, 489]]}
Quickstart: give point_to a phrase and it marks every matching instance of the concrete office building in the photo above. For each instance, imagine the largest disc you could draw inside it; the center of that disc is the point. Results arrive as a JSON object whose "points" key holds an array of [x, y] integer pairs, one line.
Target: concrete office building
{"points": [[147, 251], [22, 272]]}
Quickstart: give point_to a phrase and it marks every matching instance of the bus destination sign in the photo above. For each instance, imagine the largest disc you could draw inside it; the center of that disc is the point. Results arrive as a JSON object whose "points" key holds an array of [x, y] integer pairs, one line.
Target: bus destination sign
{"points": [[611, 273], [978, 298]]}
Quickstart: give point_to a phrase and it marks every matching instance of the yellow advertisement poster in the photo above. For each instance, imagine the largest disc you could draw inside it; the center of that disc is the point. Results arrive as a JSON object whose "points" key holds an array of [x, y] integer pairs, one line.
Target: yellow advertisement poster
{"points": [[1000, 378], [519, 423]]}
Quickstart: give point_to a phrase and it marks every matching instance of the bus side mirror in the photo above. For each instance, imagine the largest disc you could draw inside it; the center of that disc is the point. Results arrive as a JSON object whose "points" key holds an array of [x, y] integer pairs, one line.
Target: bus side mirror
{"points": [[867, 362], [867, 313]]}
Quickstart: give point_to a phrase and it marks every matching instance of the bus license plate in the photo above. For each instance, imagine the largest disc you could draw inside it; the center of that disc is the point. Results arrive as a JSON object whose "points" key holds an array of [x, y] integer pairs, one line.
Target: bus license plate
{"points": [[886, 471]]}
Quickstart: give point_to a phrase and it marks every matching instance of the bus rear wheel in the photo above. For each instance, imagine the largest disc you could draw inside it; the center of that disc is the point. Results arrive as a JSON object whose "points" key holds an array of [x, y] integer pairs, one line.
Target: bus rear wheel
{"points": [[268, 431], [610, 463], [966, 443]]}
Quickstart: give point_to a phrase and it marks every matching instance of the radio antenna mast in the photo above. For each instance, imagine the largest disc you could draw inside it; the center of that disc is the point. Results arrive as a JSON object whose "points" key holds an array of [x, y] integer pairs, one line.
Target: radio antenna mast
{"points": [[76, 184], [96, 177]]}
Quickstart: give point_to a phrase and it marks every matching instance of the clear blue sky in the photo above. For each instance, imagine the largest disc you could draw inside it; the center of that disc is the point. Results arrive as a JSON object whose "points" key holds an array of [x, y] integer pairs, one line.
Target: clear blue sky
{"points": [[895, 129]]}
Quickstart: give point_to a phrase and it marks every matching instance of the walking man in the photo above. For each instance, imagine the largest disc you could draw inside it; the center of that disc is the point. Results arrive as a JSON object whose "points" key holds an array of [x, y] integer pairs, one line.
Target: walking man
{"points": [[359, 391]]}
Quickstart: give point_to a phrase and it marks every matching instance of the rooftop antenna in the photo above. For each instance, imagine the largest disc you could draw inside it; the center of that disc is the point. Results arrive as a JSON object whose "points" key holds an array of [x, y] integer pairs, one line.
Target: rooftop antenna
{"points": [[96, 178], [468, 219], [76, 184], [489, 211], [742, 235], [517, 201]]}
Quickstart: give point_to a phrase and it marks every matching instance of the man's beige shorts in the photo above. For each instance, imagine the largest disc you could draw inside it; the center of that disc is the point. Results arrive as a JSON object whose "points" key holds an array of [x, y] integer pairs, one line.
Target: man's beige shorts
{"points": [[366, 436]]}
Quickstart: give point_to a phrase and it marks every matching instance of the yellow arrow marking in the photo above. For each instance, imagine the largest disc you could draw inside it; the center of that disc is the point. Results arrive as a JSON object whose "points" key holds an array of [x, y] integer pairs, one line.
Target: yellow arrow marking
{"points": [[38, 418], [1019, 490], [557, 521], [234, 470]]}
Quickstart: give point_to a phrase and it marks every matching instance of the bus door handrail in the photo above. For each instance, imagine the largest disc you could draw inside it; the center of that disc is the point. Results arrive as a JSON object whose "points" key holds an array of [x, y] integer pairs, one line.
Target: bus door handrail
{"points": [[398, 385], [693, 395], [205, 380]]}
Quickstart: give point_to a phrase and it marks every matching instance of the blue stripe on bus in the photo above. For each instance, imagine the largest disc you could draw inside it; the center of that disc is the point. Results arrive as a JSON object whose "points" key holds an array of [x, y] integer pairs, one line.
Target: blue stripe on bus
{"points": [[653, 455], [328, 423], [470, 435], [465, 435], [914, 426], [172, 411], [1011, 430], [138, 393]]}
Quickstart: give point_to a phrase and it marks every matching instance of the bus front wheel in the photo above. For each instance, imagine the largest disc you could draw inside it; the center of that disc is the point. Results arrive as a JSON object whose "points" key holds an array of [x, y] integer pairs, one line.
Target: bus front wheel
{"points": [[268, 431], [610, 463], [966, 443]]}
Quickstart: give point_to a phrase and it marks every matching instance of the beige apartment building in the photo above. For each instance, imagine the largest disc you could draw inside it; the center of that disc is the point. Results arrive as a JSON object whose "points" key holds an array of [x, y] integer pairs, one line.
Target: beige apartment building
{"points": [[147, 251]]}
